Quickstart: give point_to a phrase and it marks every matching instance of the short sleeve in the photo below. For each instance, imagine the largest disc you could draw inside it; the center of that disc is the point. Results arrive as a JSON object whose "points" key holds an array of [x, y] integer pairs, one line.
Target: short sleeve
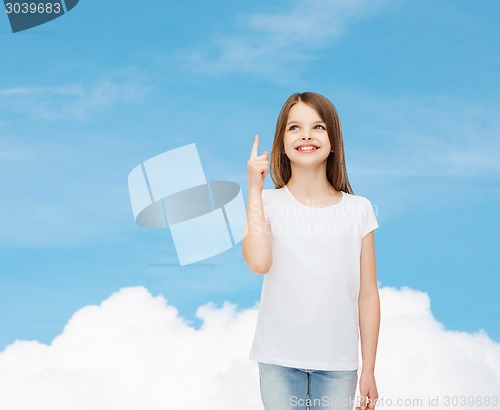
{"points": [[369, 222], [265, 203]]}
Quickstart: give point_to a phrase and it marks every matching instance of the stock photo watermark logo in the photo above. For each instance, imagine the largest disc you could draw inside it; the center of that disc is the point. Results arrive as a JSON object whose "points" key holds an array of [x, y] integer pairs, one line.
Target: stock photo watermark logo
{"points": [[170, 190], [27, 14]]}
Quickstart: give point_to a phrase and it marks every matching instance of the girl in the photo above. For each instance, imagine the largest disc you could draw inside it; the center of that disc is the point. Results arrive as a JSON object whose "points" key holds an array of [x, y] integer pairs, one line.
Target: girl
{"points": [[313, 239]]}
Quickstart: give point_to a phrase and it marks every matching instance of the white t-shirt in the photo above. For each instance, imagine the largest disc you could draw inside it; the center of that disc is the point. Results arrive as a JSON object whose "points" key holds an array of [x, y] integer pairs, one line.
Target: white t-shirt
{"points": [[308, 316]]}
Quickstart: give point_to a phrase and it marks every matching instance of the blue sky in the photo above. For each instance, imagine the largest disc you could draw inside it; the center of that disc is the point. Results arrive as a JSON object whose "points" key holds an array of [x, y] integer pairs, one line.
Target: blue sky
{"points": [[88, 96]]}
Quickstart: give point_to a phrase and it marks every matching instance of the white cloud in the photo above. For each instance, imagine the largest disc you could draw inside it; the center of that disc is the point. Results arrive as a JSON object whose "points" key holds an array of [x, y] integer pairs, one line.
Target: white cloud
{"points": [[79, 195], [134, 351], [406, 153], [418, 357], [76, 101], [275, 44], [434, 136]]}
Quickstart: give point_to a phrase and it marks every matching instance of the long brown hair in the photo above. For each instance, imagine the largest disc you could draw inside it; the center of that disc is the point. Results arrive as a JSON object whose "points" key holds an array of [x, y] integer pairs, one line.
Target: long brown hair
{"points": [[336, 172]]}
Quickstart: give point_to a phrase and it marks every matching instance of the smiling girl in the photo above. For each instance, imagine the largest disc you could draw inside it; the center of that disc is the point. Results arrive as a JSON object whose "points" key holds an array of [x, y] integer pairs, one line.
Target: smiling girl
{"points": [[313, 241]]}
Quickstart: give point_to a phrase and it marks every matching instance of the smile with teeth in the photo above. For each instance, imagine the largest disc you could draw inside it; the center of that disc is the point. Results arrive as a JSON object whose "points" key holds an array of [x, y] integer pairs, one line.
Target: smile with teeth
{"points": [[307, 148]]}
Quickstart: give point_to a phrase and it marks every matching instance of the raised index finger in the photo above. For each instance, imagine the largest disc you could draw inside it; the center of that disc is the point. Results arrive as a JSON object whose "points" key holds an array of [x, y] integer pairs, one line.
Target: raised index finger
{"points": [[255, 147]]}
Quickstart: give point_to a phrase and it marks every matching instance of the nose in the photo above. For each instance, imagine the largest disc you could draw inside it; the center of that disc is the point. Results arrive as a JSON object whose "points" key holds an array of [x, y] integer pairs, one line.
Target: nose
{"points": [[306, 136]]}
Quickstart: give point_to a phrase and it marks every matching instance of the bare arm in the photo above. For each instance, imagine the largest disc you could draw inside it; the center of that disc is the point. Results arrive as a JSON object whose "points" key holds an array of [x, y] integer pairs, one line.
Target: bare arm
{"points": [[369, 319], [256, 244]]}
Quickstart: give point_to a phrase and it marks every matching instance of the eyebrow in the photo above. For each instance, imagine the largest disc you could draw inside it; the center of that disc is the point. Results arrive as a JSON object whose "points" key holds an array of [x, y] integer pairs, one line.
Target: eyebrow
{"points": [[298, 122]]}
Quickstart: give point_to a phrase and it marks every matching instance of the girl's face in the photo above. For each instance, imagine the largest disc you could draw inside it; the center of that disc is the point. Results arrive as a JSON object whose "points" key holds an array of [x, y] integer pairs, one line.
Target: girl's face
{"points": [[306, 140]]}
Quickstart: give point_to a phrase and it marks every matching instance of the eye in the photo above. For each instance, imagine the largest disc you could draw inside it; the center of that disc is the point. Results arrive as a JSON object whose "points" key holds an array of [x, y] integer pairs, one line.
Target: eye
{"points": [[320, 127], [293, 128]]}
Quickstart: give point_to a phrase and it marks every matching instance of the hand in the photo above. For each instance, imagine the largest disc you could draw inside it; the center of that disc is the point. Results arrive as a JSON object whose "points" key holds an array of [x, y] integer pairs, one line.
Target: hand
{"points": [[367, 387], [257, 167]]}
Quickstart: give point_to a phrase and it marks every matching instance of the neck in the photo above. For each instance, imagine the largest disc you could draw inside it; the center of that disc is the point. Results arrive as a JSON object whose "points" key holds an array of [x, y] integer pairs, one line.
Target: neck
{"points": [[309, 182]]}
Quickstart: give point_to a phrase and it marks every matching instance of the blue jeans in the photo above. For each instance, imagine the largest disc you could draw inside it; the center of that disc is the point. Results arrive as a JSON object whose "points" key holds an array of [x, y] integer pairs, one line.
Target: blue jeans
{"points": [[288, 388]]}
